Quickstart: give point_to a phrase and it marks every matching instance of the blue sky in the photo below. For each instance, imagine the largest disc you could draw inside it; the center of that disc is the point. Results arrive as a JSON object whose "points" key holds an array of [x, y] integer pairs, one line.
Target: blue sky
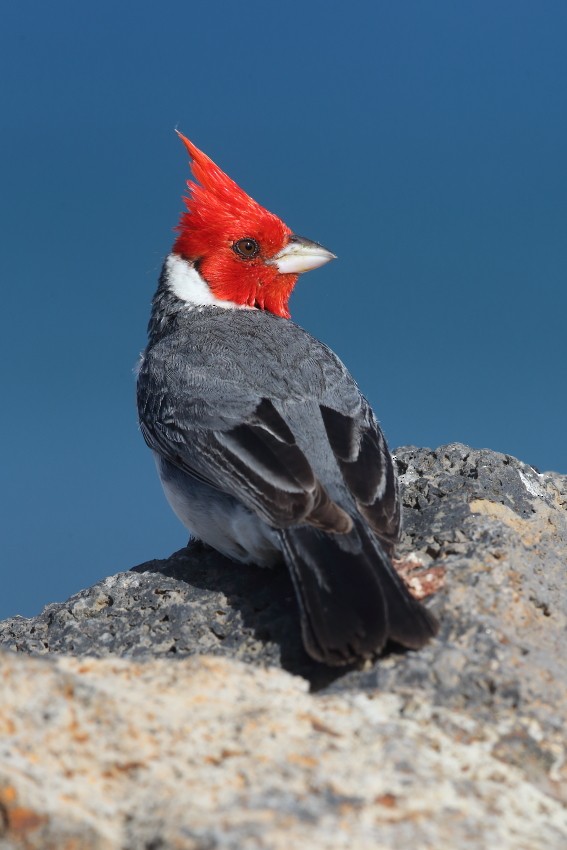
{"points": [[424, 143]]}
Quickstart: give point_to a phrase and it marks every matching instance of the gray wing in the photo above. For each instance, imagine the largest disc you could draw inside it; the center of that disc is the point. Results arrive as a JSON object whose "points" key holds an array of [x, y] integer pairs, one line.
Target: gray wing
{"points": [[257, 461], [206, 407], [367, 467]]}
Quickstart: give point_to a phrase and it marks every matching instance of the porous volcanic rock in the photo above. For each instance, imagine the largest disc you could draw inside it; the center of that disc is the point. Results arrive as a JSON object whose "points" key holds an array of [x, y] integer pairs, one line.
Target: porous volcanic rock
{"points": [[484, 535]]}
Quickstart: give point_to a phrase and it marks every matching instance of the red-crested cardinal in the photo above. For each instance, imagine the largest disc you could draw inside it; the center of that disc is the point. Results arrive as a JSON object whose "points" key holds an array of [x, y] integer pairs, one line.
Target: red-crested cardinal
{"points": [[266, 449]]}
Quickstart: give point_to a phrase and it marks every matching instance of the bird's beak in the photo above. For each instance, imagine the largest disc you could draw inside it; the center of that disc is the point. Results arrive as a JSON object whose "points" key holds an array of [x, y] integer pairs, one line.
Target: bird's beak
{"points": [[301, 255]]}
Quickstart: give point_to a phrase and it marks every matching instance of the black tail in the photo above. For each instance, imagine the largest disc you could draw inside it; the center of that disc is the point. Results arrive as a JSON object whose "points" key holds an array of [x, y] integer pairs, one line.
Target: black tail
{"points": [[350, 596]]}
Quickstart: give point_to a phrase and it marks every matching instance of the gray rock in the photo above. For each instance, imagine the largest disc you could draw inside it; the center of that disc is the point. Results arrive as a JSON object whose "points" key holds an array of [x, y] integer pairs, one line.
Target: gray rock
{"points": [[494, 526]]}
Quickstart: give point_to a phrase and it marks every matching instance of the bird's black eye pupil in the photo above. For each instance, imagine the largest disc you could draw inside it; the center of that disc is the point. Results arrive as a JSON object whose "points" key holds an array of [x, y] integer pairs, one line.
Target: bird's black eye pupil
{"points": [[246, 247]]}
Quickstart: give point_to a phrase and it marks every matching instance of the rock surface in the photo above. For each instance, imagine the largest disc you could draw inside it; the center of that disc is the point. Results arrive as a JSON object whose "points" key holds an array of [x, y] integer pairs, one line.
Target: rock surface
{"points": [[459, 744], [207, 752]]}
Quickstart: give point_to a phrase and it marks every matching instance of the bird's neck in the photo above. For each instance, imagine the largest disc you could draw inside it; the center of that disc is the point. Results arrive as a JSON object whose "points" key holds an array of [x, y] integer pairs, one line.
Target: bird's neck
{"points": [[181, 290]]}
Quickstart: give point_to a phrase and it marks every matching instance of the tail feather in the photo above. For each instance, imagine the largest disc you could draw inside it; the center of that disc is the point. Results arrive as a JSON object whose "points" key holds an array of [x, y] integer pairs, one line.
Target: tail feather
{"points": [[350, 596]]}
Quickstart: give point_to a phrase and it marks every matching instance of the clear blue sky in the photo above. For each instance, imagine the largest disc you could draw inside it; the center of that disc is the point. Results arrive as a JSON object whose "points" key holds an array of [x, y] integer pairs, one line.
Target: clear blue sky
{"points": [[424, 143]]}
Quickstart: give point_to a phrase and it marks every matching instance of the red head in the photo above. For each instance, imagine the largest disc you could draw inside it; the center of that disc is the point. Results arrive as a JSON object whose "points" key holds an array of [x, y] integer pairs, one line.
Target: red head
{"points": [[244, 253]]}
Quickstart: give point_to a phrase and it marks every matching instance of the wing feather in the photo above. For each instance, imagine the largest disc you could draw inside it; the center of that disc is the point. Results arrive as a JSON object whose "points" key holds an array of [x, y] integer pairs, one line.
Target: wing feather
{"points": [[258, 461], [366, 466]]}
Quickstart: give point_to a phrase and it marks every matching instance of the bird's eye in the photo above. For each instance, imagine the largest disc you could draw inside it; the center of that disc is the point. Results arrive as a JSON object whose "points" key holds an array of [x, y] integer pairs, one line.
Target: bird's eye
{"points": [[247, 248]]}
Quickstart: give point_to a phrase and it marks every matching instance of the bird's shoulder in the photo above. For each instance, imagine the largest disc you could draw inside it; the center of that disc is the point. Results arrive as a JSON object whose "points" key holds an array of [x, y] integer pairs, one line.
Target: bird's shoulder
{"points": [[250, 349]]}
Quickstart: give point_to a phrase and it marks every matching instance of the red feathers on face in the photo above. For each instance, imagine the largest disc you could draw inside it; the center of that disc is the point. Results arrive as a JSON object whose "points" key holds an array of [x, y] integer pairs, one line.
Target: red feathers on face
{"points": [[219, 214]]}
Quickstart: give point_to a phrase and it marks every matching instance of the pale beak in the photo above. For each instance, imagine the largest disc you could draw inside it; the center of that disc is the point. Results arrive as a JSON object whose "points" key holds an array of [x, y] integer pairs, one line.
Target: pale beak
{"points": [[301, 255]]}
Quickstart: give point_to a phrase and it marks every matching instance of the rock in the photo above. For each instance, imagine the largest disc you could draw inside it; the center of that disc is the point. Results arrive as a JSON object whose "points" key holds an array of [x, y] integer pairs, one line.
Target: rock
{"points": [[204, 753], [484, 530]]}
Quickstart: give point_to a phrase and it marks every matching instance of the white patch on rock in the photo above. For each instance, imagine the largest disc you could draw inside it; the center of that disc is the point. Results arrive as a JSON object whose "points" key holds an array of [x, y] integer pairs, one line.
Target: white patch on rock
{"points": [[532, 485]]}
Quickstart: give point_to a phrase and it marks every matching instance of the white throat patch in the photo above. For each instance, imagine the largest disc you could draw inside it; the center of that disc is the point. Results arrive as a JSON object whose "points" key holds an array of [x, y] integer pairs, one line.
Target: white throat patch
{"points": [[187, 284]]}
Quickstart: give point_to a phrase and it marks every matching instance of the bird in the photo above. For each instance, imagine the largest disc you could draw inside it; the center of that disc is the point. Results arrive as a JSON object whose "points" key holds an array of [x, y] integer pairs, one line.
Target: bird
{"points": [[266, 448]]}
